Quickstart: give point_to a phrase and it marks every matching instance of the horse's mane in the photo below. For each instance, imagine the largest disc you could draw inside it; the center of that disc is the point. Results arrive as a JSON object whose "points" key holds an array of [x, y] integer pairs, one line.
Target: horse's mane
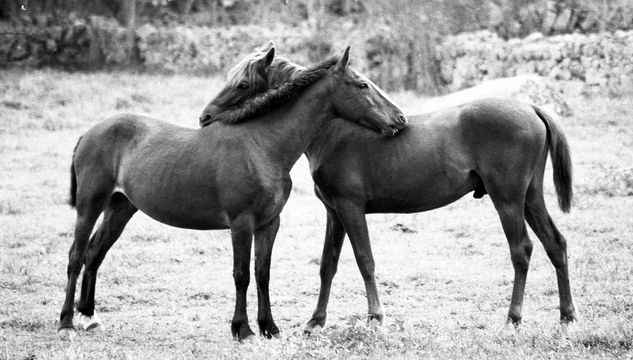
{"points": [[293, 79], [282, 70]]}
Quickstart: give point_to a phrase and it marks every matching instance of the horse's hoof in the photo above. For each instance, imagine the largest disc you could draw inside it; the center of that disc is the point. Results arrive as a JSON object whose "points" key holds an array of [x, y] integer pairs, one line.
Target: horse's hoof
{"points": [[569, 318], [375, 325], [248, 339], [68, 333], [241, 332], [89, 323], [271, 334], [508, 328], [514, 318], [314, 325], [375, 320], [268, 329], [310, 329], [569, 326]]}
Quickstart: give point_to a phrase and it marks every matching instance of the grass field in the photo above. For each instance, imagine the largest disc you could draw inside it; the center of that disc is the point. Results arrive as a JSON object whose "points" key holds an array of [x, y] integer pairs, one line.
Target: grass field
{"points": [[168, 293]]}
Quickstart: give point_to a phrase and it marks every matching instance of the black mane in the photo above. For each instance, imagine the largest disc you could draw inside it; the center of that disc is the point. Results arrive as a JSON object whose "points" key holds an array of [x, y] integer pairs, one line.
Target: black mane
{"points": [[263, 103]]}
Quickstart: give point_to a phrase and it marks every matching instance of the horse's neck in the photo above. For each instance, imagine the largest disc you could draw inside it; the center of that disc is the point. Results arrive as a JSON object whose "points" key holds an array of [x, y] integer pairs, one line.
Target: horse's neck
{"points": [[289, 129], [334, 132]]}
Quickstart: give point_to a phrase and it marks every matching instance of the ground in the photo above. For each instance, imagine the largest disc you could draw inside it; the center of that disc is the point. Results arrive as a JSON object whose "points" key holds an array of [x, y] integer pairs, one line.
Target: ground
{"points": [[445, 276]]}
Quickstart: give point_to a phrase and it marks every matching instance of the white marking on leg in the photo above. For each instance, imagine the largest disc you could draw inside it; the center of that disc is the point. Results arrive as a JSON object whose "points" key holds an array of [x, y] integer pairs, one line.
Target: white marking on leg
{"points": [[67, 333], [88, 323]]}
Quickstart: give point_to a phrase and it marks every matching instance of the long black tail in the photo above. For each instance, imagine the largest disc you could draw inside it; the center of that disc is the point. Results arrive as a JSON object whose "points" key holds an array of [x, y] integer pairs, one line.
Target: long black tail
{"points": [[561, 160], [73, 179]]}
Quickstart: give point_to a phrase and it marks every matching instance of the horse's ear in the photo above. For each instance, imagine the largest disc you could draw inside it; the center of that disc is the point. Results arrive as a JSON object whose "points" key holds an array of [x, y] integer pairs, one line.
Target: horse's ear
{"points": [[263, 63], [270, 56], [270, 44], [343, 61]]}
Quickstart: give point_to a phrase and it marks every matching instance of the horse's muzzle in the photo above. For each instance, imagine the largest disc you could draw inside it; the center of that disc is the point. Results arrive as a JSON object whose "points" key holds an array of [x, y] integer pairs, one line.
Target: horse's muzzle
{"points": [[207, 115], [402, 120], [204, 120], [391, 131], [400, 123]]}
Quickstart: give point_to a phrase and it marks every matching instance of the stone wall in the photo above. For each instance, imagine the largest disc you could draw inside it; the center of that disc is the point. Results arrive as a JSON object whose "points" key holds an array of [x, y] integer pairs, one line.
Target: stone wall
{"points": [[100, 42], [601, 59], [58, 46], [213, 50]]}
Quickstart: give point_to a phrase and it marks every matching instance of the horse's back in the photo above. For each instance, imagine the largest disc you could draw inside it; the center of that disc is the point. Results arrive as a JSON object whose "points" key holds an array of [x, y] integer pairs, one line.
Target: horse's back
{"points": [[483, 126], [135, 128], [104, 150], [507, 116], [493, 115], [495, 124]]}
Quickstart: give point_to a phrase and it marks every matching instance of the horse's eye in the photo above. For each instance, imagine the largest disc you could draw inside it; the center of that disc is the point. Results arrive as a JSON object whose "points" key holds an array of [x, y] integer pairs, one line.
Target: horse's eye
{"points": [[242, 86], [363, 85]]}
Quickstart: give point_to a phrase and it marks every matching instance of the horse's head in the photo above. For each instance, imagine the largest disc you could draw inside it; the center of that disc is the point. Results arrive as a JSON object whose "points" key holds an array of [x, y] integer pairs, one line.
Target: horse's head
{"points": [[244, 81], [259, 72], [358, 99]]}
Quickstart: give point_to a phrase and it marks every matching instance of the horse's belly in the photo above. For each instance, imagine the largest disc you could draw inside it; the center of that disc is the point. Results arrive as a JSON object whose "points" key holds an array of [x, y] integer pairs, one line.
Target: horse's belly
{"points": [[416, 196], [412, 204], [176, 209], [196, 221]]}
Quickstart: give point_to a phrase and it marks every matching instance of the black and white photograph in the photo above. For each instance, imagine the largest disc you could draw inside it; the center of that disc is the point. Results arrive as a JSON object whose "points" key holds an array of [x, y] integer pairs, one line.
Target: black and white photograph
{"points": [[316, 179]]}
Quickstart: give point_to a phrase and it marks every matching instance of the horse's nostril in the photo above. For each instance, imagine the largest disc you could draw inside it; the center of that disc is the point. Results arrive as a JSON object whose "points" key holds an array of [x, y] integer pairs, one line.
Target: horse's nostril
{"points": [[402, 119], [205, 117]]}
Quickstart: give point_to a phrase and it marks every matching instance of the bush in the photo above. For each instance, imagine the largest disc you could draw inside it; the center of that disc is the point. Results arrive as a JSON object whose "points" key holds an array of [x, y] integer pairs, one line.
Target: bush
{"points": [[604, 60]]}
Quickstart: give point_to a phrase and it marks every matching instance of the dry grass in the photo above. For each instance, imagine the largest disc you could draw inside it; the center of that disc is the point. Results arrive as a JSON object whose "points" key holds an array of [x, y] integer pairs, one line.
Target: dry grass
{"points": [[168, 293]]}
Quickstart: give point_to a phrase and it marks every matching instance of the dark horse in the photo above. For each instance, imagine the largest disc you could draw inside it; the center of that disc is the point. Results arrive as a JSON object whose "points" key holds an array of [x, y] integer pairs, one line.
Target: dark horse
{"points": [[226, 176], [493, 146]]}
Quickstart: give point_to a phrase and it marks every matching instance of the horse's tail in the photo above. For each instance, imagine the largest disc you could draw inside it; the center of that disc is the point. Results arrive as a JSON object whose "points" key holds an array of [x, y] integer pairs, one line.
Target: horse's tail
{"points": [[561, 159], [73, 179]]}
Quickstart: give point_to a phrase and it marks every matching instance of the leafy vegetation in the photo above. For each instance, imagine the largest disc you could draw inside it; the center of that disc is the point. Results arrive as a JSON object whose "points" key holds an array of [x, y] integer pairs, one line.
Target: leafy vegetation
{"points": [[397, 39]]}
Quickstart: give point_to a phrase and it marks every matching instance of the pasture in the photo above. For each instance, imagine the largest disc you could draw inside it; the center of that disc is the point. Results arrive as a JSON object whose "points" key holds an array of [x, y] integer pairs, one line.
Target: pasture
{"points": [[445, 277]]}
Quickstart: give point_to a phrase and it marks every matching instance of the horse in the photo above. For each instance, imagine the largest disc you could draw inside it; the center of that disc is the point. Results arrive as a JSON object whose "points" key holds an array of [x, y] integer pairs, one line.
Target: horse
{"points": [[231, 175], [497, 147]]}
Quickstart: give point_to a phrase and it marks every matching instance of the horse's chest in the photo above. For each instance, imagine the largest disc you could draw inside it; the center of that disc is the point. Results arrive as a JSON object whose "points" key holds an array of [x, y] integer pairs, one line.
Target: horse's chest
{"points": [[275, 195]]}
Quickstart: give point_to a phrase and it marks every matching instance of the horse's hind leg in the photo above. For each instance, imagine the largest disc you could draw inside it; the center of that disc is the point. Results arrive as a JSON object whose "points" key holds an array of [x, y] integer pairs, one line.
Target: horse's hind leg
{"points": [[334, 236], [509, 205], [116, 215], [264, 241], [88, 210], [555, 245]]}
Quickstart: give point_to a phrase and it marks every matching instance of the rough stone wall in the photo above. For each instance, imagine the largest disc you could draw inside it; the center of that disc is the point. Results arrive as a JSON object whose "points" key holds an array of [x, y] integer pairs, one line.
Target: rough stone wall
{"points": [[56, 46], [211, 50], [602, 59], [101, 42]]}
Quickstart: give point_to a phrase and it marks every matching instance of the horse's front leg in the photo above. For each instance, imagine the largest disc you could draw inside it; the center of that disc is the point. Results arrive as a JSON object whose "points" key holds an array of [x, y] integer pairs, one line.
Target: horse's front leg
{"points": [[334, 236], [242, 238], [352, 216], [264, 241]]}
